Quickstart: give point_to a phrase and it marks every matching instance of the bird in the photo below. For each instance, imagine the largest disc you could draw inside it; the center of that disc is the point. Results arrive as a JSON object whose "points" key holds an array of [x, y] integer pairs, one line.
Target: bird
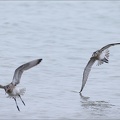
{"points": [[11, 89], [102, 56]]}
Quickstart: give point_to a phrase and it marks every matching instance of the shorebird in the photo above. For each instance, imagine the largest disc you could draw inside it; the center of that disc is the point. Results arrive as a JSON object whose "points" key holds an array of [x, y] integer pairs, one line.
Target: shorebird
{"points": [[11, 89], [102, 56]]}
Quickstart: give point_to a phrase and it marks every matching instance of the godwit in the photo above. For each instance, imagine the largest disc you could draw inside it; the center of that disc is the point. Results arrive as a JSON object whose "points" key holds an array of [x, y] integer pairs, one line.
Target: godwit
{"points": [[11, 88], [97, 55]]}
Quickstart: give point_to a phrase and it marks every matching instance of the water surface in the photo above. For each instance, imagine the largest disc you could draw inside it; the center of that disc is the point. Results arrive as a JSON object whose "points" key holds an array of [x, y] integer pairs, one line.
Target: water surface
{"points": [[64, 34]]}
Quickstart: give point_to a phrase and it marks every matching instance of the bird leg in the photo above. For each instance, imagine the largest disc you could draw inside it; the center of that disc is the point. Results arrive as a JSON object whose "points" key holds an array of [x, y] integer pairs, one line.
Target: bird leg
{"points": [[21, 99], [16, 104]]}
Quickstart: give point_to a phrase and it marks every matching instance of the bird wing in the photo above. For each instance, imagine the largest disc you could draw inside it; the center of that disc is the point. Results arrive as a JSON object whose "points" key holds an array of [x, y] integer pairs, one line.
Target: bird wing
{"points": [[87, 71], [18, 72], [107, 46]]}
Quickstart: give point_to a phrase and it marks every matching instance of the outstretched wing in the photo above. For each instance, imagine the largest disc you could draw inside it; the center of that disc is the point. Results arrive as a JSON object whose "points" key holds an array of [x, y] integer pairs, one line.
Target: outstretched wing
{"points": [[107, 46], [87, 71], [18, 72]]}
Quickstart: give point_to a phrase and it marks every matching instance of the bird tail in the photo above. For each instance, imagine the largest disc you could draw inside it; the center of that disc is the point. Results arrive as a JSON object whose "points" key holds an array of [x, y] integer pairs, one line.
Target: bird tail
{"points": [[22, 91], [105, 59]]}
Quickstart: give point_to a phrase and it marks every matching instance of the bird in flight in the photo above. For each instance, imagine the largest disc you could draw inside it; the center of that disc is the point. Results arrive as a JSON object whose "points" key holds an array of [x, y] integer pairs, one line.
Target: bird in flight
{"points": [[102, 56], [11, 88]]}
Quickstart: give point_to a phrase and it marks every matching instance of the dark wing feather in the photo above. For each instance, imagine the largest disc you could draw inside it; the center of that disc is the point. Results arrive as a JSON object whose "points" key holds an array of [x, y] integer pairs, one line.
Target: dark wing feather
{"points": [[18, 72], [107, 46], [87, 71]]}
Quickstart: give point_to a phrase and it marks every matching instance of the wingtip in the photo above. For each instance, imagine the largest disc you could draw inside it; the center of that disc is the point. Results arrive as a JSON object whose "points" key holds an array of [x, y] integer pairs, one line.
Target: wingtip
{"points": [[81, 90], [39, 60]]}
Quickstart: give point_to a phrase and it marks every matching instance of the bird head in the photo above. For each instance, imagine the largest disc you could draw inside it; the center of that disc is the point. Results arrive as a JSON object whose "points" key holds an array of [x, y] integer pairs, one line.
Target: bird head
{"points": [[6, 88], [95, 54]]}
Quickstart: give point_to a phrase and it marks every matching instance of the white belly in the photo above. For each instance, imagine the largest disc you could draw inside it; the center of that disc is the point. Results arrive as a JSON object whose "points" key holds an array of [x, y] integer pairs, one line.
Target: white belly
{"points": [[102, 55], [16, 92]]}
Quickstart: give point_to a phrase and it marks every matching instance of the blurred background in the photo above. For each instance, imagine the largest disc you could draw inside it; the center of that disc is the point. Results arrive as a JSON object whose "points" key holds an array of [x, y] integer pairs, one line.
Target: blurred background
{"points": [[64, 34]]}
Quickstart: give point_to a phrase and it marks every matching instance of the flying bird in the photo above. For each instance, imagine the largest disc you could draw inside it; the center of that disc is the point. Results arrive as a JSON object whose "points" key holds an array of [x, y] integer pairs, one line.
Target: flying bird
{"points": [[11, 89], [102, 56]]}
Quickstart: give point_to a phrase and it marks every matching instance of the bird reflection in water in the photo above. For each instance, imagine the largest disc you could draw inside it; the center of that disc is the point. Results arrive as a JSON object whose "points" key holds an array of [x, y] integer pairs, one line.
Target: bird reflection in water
{"points": [[96, 107]]}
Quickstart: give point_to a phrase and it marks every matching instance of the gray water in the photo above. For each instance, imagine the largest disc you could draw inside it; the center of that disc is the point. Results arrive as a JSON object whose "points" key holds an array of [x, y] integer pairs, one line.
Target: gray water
{"points": [[64, 34]]}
